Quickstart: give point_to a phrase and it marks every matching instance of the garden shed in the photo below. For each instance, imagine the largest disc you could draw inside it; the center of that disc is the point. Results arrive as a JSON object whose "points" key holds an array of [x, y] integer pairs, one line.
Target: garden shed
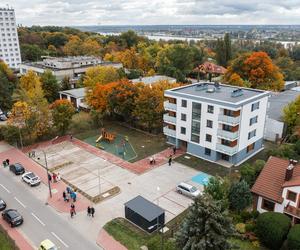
{"points": [[144, 214]]}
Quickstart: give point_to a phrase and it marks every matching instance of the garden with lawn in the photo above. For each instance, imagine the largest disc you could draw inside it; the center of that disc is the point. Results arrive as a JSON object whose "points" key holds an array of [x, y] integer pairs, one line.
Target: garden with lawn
{"points": [[6, 243]]}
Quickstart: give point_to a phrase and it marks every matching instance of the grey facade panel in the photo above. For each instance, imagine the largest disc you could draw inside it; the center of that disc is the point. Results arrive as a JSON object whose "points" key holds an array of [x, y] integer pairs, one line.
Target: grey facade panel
{"points": [[198, 150], [241, 155]]}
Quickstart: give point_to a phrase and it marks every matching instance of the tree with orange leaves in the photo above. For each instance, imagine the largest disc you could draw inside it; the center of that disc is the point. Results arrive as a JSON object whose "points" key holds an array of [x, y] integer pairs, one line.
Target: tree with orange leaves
{"points": [[258, 69]]}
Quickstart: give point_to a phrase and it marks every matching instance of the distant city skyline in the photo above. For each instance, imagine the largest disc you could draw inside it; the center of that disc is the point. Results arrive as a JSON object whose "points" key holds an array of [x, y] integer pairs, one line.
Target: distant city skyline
{"points": [[134, 12]]}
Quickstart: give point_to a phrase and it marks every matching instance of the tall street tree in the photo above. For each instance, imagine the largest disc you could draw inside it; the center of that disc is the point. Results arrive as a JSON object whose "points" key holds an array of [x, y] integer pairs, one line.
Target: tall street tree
{"points": [[207, 226], [50, 86]]}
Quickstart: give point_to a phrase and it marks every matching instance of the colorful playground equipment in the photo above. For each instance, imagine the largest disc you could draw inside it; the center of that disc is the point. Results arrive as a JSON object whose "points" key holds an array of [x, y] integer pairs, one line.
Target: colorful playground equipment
{"points": [[110, 137]]}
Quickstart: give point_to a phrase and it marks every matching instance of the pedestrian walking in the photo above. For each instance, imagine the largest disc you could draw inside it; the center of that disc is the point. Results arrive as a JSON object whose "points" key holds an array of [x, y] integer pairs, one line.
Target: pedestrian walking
{"points": [[73, 208], [88, 211], [58, 178], [54, 177], [65, 196], [69, 190], [170, 160], [92, 211], [71, 137], [74, 196], [7, 162], [174, 150], [49, 177], [71, 212]]}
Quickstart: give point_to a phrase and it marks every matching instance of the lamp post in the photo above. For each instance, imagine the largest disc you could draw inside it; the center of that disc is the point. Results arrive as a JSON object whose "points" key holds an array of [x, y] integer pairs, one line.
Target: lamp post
{"points": [[46, 165]]}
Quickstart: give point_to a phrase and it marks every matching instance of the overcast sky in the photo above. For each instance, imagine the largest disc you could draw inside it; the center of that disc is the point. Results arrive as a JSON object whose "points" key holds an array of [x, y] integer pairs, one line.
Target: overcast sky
{"points": [[138, 12]]}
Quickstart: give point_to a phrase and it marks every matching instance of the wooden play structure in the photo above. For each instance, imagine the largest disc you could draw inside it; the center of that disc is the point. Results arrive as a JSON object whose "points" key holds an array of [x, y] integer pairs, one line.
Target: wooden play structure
{"points": [[110, 137]]}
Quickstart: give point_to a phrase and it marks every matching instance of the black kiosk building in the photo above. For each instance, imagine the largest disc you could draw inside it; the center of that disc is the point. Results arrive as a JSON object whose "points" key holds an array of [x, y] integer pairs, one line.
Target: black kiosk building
{"points": [[144, 214]]}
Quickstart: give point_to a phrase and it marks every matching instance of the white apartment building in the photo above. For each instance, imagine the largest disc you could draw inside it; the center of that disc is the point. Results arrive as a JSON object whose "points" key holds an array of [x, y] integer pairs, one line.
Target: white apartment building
{"points": [[219, 123], [277, 188], [9, 42], [61, 67]]}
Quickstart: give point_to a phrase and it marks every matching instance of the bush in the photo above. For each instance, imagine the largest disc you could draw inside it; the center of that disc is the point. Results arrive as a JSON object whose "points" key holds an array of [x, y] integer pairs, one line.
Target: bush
{"points": [[240, 228], [250, 227], [81, 122], [297, 147], [239, 196], [272, 228], [10, 134], [293, 238], [246, 215]]}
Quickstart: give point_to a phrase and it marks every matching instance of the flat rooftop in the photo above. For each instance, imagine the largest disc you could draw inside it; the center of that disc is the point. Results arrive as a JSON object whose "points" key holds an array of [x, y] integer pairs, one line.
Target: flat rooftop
{"points": [[77, 93], [220, 92], [153, 79]]}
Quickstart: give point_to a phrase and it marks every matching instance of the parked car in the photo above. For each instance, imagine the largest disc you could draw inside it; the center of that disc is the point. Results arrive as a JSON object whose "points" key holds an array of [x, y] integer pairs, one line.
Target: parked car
{"points": [[2, 205], [47, 245], [188, 190], [12, 217], [17, 168], [3, 117], [31, 179]]}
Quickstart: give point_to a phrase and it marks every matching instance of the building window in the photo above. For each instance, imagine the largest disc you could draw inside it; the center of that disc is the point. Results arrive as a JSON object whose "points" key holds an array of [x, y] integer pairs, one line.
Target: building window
{"points": [[253, 120], [183, 103], [209, 123], [208, 137], [210, 109], [183, 117], [255, 106], [183, 130], [251, 134], [250, 147], [196, 111], [195, 138], [292, 196], [267, 205], [207, 151]]}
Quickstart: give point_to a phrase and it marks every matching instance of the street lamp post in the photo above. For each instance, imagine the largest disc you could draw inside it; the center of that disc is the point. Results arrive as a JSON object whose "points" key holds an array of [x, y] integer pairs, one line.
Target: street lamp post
{"points": [[46, 165]]}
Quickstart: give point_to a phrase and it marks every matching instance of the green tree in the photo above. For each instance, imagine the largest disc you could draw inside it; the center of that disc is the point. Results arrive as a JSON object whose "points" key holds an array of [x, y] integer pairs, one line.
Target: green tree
{"points": [[62, 112], [31, 52], [291, 115], [65, 83], [272, 228], [249, 172], [50, 86], [239, 196], [223, 50], [206, 226], [293, 237]]}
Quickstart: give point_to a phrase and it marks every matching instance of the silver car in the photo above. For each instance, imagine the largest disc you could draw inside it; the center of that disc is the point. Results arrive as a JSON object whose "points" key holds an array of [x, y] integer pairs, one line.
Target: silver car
{"points": [[31, 179], [188, 190]]}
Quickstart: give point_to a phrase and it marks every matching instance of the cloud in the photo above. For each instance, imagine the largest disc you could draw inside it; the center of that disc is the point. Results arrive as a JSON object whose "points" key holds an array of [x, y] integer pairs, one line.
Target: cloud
{"points": [[138, 12]]}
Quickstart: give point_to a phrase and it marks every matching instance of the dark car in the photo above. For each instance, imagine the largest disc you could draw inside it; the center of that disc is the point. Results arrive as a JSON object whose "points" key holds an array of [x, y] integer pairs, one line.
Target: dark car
{"points": [[2, 205], [17, 168], [12, 217]]}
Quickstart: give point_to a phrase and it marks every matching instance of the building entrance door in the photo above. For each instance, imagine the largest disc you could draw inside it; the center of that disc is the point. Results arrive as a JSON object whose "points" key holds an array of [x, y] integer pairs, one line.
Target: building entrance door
{"points": [[225, 157]]}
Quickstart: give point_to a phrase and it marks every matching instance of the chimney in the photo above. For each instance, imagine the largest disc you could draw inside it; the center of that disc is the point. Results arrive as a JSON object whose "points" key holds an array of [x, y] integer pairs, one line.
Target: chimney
{"points": [[290, 169]]}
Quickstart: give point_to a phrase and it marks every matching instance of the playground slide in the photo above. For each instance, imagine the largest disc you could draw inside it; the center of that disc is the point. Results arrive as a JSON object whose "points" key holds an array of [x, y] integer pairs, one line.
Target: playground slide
{"points": [[99, 139]]}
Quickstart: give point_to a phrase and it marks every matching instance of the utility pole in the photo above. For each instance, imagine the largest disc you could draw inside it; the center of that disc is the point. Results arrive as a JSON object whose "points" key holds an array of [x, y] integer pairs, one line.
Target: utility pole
{"points": [[46, 164]]}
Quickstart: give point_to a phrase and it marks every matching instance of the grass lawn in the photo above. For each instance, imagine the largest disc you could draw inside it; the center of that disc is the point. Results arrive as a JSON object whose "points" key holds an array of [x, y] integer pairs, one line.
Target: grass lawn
{"points": [[5, 242], [143, 144], [215, 169]]}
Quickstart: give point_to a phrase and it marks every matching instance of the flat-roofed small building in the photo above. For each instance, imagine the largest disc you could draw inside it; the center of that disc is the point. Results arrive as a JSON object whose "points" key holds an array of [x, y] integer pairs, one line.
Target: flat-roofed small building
{"points": [[216, 122], [75, 96], [61, 67]]}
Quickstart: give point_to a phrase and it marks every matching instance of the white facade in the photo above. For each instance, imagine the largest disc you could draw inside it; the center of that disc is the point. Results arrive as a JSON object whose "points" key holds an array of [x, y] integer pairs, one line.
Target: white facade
{"points": [[9, 42], [212, 133]]}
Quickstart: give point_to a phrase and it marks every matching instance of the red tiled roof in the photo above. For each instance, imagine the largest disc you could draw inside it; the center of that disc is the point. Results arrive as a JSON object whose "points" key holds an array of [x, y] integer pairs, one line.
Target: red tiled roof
{"points": [[209, 67], [271, 180]]}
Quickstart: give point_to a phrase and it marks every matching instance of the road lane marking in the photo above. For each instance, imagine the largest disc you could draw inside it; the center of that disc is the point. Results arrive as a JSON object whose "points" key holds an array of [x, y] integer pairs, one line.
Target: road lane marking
{"points": [[5, 188], [38, 219], [59, 239], [20, 202]]}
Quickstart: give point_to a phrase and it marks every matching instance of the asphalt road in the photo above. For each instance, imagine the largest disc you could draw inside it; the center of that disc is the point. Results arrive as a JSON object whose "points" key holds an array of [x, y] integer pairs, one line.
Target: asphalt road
{"points": [[40, 221]]}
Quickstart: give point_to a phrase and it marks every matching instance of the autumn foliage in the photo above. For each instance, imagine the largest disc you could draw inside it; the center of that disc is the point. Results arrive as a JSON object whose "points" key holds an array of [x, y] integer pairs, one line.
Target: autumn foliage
{"points": [[255, 70]]}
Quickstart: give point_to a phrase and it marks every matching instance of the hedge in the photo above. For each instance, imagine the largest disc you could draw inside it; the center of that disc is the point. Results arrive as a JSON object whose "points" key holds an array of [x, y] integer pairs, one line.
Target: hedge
{"points": [[272, 229], [293, 238]]}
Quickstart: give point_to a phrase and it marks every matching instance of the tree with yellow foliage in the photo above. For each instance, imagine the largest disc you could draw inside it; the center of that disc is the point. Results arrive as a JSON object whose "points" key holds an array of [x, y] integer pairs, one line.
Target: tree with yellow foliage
{"points": [[101, 75]]}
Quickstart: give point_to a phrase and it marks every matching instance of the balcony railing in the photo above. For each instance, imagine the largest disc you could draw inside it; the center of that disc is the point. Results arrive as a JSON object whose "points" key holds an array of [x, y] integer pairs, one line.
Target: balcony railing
{"points": [[170, 106], [228, 134], [227, 149], [292, 210], [229, 119], [169, 132], [169, 119]]}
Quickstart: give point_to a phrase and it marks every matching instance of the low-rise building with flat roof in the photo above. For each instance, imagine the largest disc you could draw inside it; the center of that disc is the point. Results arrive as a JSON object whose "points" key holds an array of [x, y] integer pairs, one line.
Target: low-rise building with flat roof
{"points": [[75, 96], [154, 79], [61, 67], [216, 122]]}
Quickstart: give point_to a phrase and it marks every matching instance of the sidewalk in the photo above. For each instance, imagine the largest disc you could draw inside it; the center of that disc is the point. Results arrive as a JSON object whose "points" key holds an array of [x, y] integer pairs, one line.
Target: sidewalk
{"points": [[19, 239], [56, 201], [108, 242]]}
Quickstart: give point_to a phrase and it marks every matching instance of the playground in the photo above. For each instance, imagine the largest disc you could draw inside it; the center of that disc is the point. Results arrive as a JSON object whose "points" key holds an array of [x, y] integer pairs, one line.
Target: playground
{"points": [[116, 144]]}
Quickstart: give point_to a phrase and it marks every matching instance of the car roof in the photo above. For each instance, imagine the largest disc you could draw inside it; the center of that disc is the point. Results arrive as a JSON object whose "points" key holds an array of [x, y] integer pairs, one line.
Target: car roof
{"points": [[30, 174], [12, 212], [47, 243], [18, 165], [185, 185]]}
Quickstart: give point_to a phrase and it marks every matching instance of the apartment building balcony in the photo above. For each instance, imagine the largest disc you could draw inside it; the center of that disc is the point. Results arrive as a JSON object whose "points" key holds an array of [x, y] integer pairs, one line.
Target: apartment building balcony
{"points": [[169, 132], [227, 149], [169, 119], [292, 211], [229, 119], [229, 135], [170, 106]]}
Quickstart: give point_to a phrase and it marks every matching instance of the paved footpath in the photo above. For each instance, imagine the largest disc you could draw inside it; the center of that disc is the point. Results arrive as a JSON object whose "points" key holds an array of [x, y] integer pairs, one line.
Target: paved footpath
{"points": [[108, 242]]}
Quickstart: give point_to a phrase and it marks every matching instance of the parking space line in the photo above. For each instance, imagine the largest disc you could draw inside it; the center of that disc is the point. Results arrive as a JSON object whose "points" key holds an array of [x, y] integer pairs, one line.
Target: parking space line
{"points": [[38, 219], [20, 202], [60, 239], [5, 188]]}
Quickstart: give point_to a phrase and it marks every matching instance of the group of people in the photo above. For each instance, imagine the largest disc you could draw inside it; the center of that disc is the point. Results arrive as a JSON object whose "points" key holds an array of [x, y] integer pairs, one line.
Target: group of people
{"points": [[54, 177], [5, 163], [90, 211], [69, 194]]}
